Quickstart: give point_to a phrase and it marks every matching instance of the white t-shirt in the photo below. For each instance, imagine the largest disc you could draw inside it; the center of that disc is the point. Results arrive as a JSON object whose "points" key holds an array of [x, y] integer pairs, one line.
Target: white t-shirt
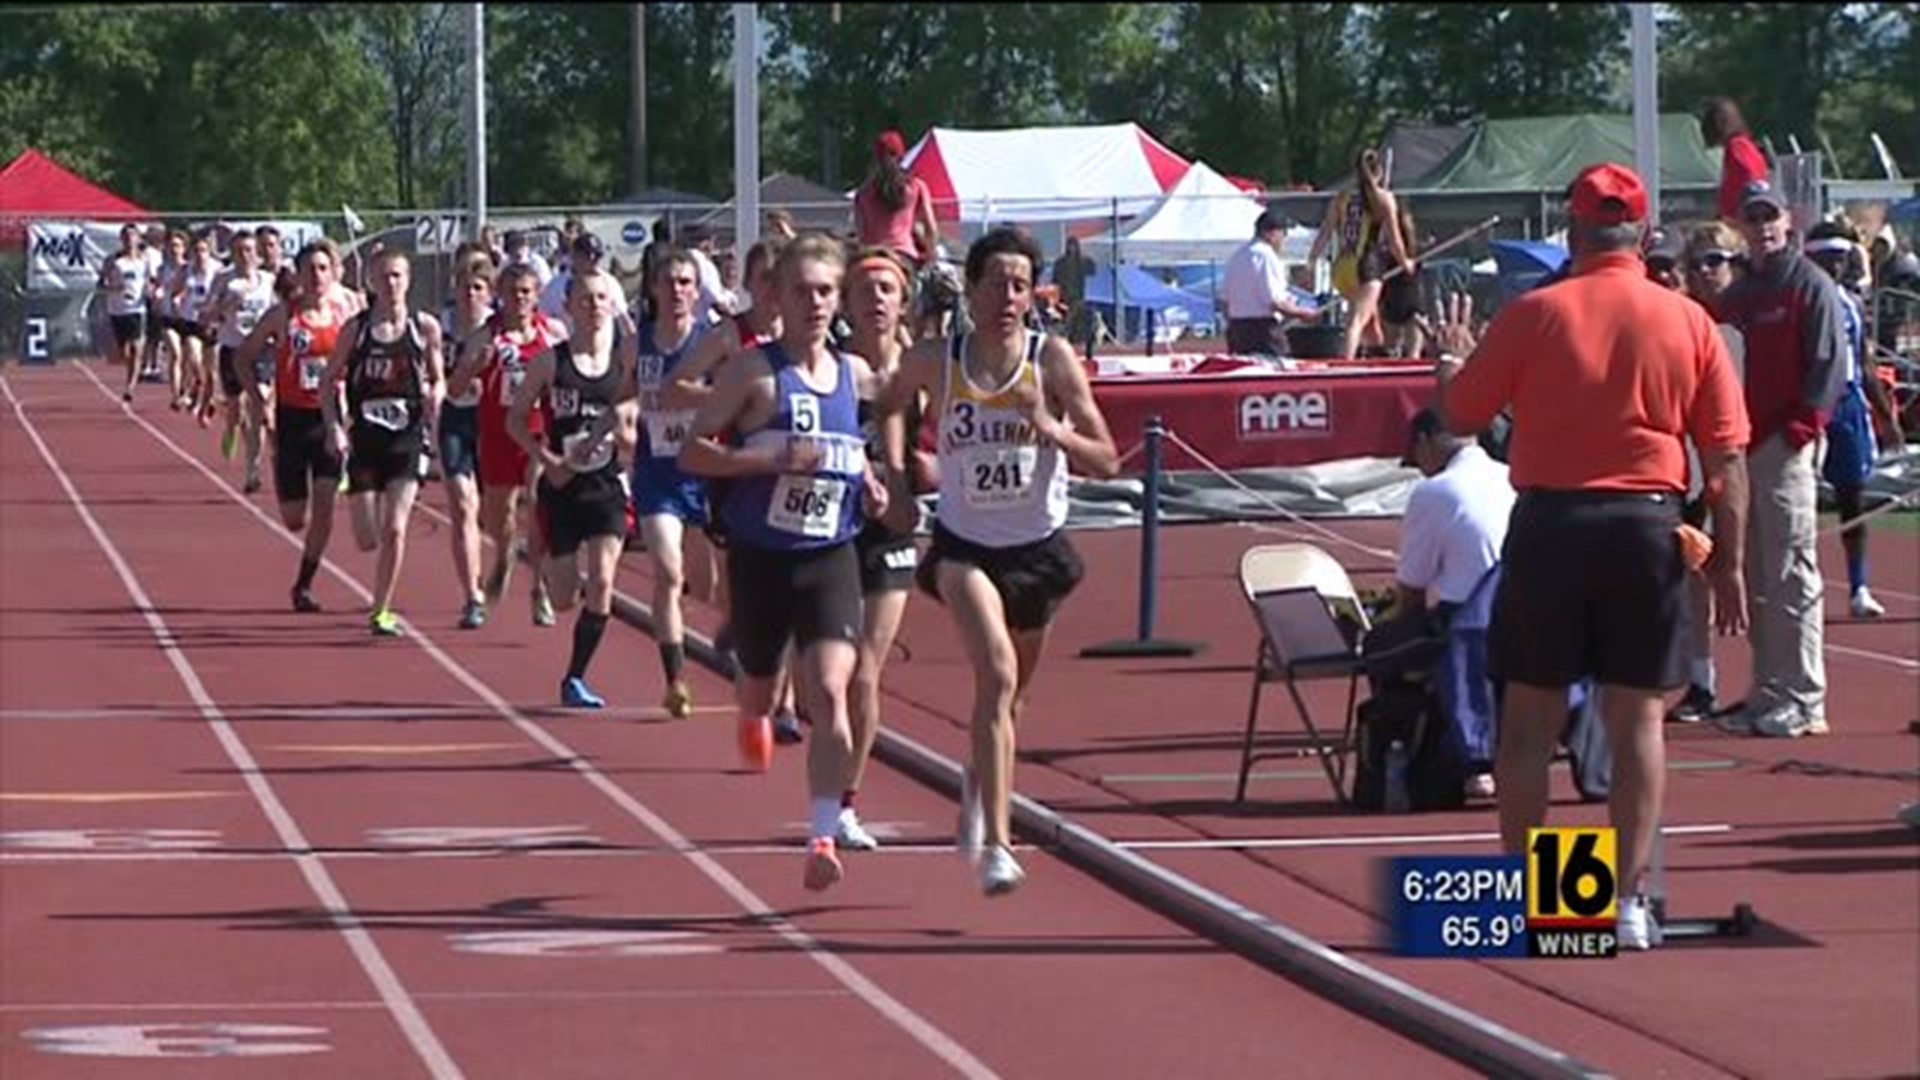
{"points": [[127, 280], [1455, 525], [1255, 278], [712, 293], [542, 272]]}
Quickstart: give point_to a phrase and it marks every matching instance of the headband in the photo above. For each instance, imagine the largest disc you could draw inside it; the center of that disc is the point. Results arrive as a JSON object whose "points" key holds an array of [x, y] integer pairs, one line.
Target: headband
{"points": [[1828, 243], [881, 262]]}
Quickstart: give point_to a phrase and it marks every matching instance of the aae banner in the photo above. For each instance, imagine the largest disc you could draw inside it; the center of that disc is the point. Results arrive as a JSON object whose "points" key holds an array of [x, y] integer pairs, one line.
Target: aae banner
{"points": [[66, 256]]}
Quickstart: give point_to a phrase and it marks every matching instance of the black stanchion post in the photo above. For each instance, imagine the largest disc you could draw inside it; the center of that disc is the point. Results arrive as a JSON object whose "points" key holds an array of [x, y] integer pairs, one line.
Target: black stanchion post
{"points": [[1144, 643]]}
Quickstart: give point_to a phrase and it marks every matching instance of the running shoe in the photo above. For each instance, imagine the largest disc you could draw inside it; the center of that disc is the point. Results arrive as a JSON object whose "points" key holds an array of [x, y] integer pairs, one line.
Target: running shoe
{"points": [[252, 483], [823, 865], [575, 695], [303, 601], [1909, 815], [542, 608], [971, 831], [1696, 706], [755, 738], [126, 396], [849, 833], [473, 615], [384, 623], [1864, 606], [1635, 924], [1000, 872], [679, 700], [786, 728]]}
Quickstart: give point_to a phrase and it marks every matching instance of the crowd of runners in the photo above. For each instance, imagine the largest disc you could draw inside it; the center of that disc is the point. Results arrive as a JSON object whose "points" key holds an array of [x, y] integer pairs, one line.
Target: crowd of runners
{"points": [[767, 455]]}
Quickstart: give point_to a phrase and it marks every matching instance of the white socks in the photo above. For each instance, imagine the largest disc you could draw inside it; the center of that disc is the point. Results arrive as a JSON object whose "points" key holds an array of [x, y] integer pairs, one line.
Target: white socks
{"points": [[826, 817]]}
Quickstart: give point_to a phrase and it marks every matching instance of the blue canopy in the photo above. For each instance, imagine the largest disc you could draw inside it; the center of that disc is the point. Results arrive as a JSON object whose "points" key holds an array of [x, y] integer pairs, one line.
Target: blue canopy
{"points": [[1145, 291], [1522, 263]]}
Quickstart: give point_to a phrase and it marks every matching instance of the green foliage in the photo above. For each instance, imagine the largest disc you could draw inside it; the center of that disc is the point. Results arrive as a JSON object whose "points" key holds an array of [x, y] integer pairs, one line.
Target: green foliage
{"points": [[301, 107]]}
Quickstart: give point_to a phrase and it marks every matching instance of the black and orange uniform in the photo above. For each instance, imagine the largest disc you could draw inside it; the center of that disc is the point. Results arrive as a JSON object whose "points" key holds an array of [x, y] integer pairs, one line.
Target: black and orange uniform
{"points": [[386, 398]]}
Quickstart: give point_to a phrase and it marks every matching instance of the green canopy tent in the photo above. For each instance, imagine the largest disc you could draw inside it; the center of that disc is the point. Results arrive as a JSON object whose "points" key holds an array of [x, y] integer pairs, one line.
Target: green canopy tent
{"points": [[1545, 153]]}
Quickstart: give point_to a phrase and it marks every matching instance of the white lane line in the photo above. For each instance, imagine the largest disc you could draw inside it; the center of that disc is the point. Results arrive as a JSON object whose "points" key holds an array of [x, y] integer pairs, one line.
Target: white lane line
{"points": [[405, 1012], [1905, 663], [921, 1030], [1409, 839], [343, 712], [720, 851], [457, 997]]}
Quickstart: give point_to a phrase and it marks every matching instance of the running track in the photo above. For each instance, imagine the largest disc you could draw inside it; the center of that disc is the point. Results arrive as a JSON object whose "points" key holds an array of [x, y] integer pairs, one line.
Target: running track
{"points": [[379, 751], [271, 843]]}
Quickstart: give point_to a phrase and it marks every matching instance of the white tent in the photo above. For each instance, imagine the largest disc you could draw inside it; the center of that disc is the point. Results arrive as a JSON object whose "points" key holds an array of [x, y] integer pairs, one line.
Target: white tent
{"points": [[1204, 218], [1043, 174]]}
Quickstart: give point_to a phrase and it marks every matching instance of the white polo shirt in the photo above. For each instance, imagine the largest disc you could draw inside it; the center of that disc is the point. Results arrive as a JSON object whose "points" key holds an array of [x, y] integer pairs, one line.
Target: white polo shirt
{"points": [[1455, 525], [1255, 277]]}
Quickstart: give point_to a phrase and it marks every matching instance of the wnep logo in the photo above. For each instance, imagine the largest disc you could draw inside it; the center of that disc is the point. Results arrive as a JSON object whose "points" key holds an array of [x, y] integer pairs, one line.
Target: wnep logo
{"points": [[1573, 884], [1283, 415]]}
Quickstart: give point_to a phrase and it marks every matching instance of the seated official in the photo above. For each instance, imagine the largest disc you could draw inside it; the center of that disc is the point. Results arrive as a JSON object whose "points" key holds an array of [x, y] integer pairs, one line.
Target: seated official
{"points": [[1451, 536]]}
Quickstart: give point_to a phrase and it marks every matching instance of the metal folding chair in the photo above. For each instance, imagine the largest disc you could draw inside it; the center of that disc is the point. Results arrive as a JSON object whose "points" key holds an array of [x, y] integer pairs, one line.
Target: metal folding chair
{"points": [[1298, 594]]}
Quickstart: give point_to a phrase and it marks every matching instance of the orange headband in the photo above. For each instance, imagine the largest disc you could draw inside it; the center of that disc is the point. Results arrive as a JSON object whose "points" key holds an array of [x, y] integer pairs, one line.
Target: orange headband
{"points": [[881, 262]]}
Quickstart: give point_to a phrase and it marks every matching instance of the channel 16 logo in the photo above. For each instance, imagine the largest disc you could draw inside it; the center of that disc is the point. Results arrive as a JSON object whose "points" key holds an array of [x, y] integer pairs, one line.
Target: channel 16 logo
{"points": [[1573, 886]]}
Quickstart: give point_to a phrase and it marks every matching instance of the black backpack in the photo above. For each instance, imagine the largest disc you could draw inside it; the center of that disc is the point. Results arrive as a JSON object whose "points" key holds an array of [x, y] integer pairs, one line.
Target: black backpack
{"points": [[1436, 772]]}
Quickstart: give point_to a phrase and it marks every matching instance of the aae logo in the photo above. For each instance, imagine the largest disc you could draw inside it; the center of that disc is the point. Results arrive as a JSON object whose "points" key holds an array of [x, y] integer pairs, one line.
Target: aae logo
{"points": [[71, 248], [1284, 414]]}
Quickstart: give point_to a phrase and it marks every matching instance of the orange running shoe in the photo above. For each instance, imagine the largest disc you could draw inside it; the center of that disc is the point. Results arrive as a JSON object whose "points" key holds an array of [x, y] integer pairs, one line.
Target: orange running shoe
{"points": [[756, 742], [823, 865]]}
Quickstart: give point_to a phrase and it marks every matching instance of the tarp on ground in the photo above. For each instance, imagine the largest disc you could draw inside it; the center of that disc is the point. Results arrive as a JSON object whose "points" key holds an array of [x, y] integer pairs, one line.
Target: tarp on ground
{"points": [[1043, 173], [1145, 292], [1203, 218], [1545, 153], [34, 185]]}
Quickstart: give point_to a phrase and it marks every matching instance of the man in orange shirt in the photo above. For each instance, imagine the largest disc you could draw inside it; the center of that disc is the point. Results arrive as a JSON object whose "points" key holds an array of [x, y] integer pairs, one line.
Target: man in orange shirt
{"points": [[1606, 373]]}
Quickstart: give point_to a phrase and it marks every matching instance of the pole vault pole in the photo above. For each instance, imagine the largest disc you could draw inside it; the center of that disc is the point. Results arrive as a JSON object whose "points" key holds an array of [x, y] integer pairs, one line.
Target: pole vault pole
{"points": [[746, 126]]}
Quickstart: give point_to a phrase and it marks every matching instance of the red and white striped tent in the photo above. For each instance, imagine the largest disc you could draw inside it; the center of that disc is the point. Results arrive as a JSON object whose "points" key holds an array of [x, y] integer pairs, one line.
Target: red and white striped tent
{"points": [[1044, 174]]}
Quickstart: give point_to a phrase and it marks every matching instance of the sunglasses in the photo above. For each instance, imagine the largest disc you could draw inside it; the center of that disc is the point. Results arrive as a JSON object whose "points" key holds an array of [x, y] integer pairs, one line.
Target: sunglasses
{"points": [[1712, 260]]}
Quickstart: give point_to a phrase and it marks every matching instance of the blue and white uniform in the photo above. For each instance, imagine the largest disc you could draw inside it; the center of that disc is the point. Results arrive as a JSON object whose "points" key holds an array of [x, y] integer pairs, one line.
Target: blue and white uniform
{"points": [[1850, 443], [659, 487]]}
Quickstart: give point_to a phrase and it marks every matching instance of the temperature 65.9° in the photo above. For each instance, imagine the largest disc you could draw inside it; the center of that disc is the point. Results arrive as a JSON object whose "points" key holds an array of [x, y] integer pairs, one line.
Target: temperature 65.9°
{"points": [[1481, 931]]}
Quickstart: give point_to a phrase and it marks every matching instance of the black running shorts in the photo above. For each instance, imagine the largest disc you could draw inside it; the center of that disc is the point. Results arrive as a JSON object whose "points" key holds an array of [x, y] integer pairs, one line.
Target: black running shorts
{"points": [[1032, 579], [887, 560], [589, 506], [1593, 585], [302, 452], [805, 596]]}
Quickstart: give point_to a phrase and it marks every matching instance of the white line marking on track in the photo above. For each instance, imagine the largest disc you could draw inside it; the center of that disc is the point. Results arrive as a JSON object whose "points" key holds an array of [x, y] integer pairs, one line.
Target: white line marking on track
{"points": [[405, 1012], [455, 997], [923, 1031], [1258, 843], [558, 851], [1902, 662]]}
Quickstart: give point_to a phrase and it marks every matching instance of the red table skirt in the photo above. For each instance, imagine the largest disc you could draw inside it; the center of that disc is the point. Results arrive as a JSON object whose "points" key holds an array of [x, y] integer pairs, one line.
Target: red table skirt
{"points": [[1269, 420]]}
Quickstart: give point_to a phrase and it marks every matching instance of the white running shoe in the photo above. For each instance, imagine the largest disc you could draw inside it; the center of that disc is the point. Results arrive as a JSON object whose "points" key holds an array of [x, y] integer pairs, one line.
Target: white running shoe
{"points": [[1635, 924], [1000, 873], [1864, 606], [851, 835], [971, 831]]}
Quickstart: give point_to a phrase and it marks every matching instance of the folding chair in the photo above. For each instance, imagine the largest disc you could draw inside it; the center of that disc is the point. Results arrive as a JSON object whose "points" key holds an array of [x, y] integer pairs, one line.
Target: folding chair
{"points": [[1294, 591]]}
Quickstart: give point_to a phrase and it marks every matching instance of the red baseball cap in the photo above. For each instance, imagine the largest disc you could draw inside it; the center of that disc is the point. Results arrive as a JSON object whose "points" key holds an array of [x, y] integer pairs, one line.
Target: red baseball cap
{"points": [[890, 143], [1607, 194]]}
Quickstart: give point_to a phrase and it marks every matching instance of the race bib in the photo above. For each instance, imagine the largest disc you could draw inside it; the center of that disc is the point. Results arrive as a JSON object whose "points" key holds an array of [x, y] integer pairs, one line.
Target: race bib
{"points": [[586, 451], [807, 506], [510, 379], [390, 413], [1000, 477], [667, 431], [246, 319], [312, 370]]}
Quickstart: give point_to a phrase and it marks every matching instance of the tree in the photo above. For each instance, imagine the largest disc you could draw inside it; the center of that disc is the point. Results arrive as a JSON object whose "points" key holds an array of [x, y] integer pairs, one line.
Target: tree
{"points": [[418, 51], [1446, 63]]}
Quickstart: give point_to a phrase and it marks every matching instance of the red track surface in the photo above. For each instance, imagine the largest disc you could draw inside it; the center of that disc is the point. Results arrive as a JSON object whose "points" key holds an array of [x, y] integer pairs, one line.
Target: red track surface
{"points": [[1065, 978], [353, 948]]}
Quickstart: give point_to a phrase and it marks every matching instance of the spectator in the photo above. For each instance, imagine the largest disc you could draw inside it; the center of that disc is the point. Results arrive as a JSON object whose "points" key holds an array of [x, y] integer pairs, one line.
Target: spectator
{"points": [[585, 254], [779, 224], [519, 252], [1605, 372], [894, 208], [1450, 539], [1741, 162], [1255, 292], [1795, 330], [1663, 259], [716, 300], [1071, 272], [1851, 450], [1712, 258]]}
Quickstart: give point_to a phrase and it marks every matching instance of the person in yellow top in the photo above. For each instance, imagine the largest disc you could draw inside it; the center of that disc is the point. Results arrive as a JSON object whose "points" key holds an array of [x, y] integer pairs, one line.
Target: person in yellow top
{"points": [[1364, 231]]}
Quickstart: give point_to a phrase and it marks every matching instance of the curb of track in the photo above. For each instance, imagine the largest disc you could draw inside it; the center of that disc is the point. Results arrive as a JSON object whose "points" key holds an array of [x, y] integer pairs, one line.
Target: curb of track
{"points": [[1452, 1031]]}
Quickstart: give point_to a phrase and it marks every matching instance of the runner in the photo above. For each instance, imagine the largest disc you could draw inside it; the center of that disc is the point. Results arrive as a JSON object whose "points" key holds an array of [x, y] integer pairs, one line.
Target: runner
{"points": [[192, 292], [665, 499], [876, 306], [799, 477], [388, 358], [498, 359], [692, 385], [1014, 410], [240, 297], [123, 278], [167, 318], [585, 386], [459, 430], [306, 468]]}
